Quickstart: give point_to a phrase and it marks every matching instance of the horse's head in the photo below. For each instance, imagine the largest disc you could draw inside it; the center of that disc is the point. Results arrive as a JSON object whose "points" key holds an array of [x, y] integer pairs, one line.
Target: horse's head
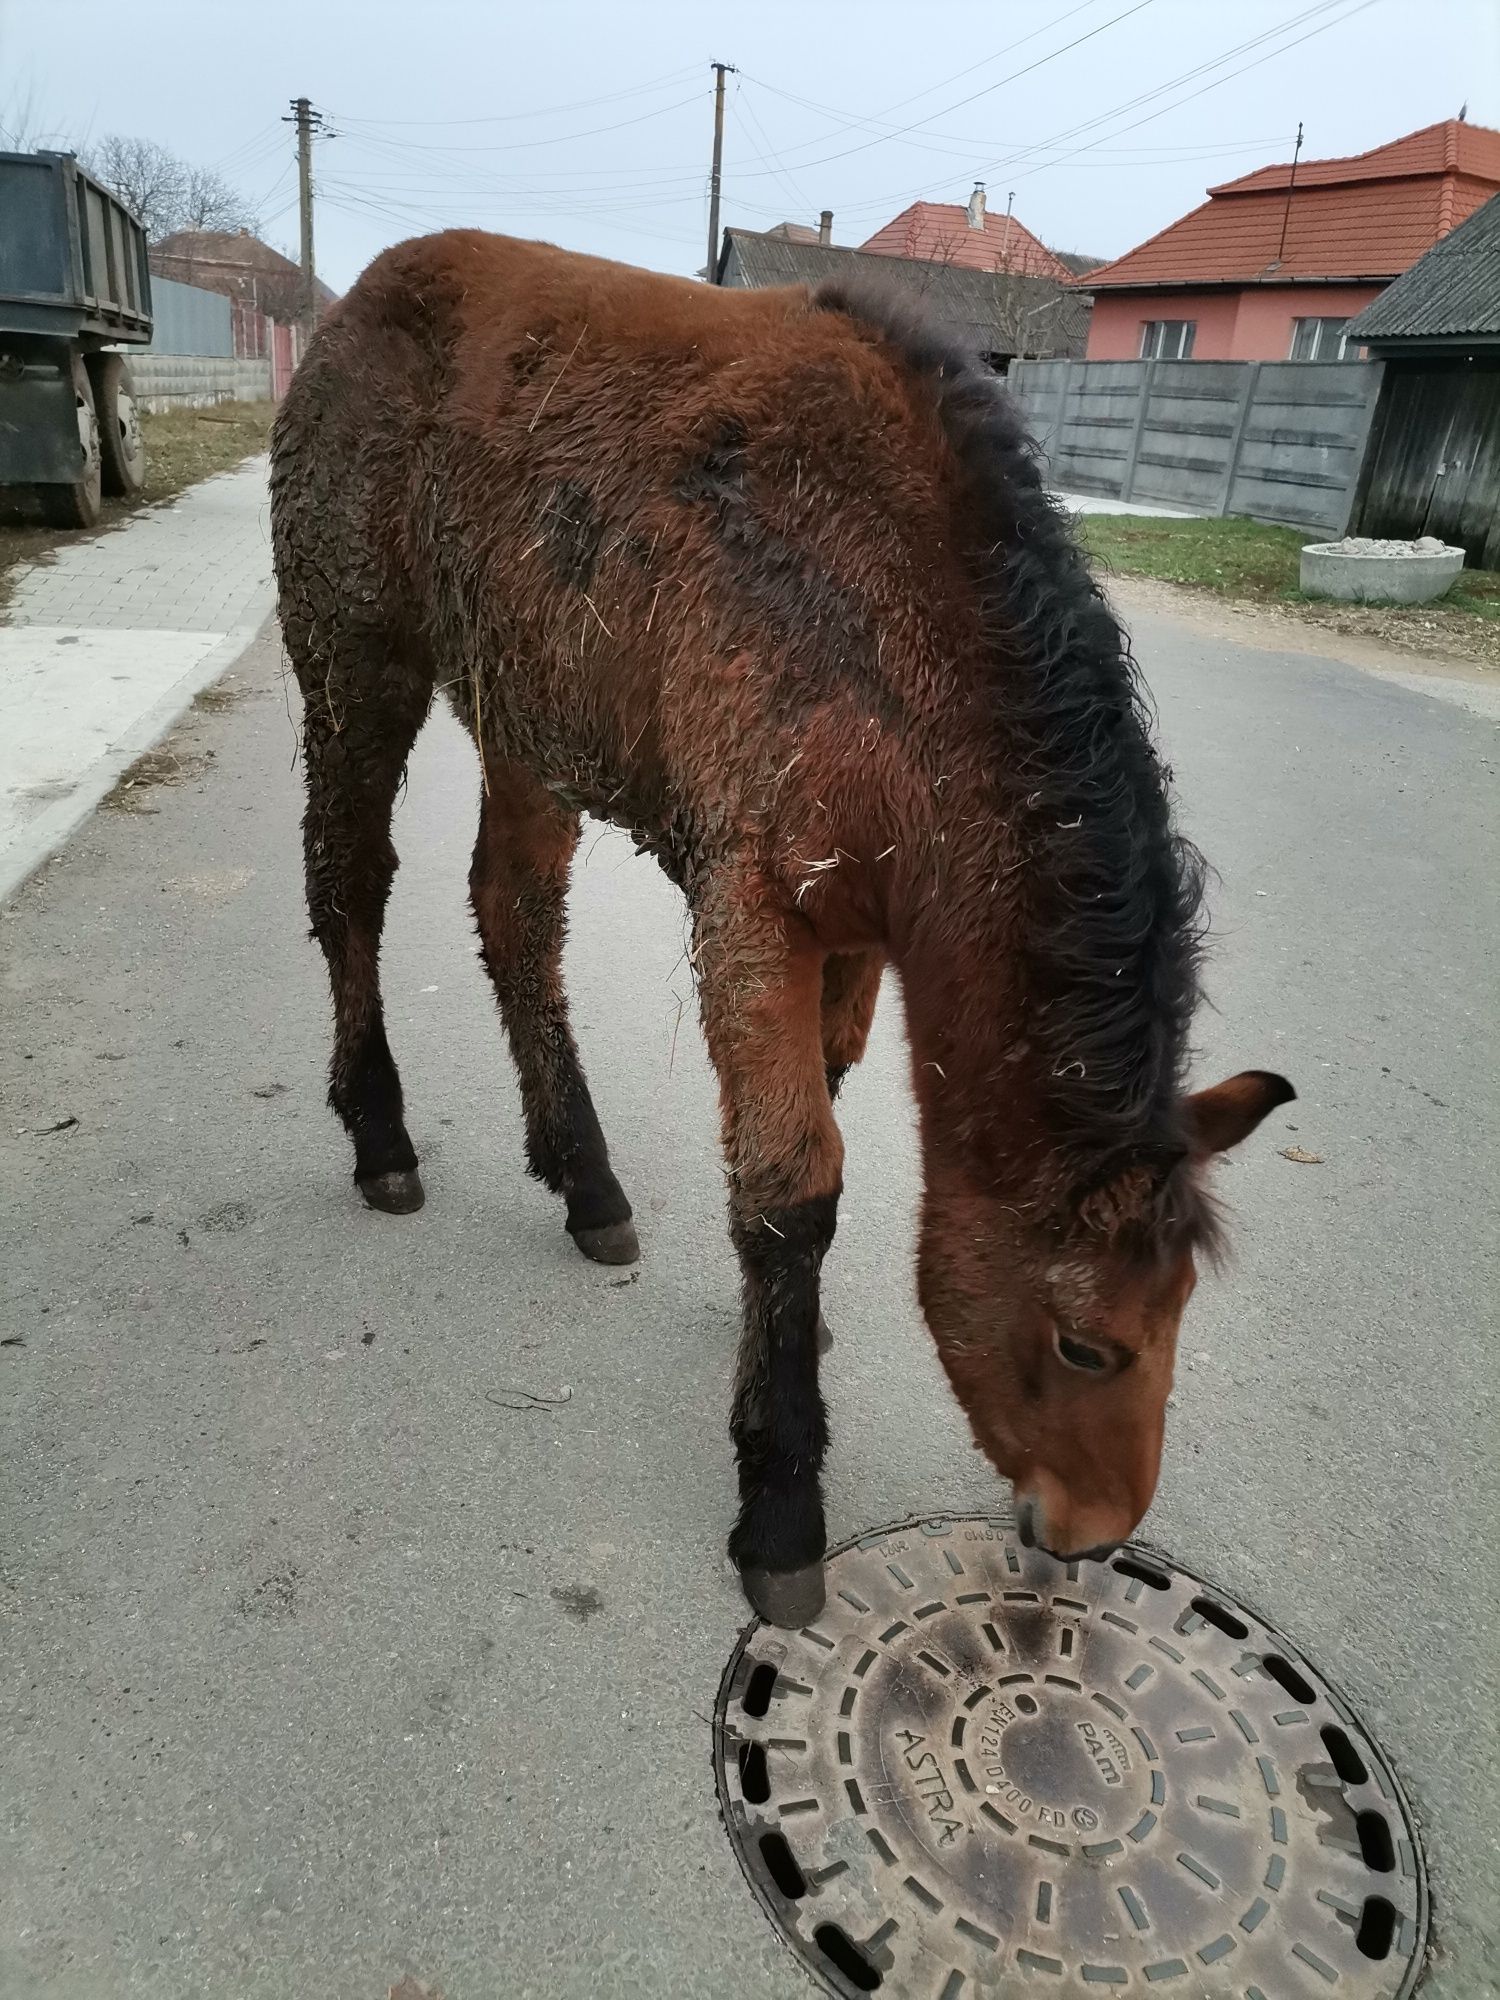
{"points": [[1059, 1336]]}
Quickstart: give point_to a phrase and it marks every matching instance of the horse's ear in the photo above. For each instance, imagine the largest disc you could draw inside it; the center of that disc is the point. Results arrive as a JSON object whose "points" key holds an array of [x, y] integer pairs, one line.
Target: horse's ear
{"points": [[1219, 1118]]}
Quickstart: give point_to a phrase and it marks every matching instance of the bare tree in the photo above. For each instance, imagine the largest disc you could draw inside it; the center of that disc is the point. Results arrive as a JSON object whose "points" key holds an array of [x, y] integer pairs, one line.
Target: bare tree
{"points": [[164, 191], [145, 176], [209, 202], [23, 128]]}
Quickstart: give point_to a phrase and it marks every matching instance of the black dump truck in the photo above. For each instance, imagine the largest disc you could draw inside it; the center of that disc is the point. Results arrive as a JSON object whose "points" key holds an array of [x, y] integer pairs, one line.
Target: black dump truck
{"points": [[74, 285]]}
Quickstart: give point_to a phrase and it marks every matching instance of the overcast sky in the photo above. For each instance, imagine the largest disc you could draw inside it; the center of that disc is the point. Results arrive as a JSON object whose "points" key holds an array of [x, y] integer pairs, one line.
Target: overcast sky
{"points": [[590, 124]]}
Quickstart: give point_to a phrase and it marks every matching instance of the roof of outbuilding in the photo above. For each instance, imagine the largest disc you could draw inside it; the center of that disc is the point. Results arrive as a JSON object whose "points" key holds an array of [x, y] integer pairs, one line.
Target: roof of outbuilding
{"points": [[1452, 291], [232, 249], [974, 306]]}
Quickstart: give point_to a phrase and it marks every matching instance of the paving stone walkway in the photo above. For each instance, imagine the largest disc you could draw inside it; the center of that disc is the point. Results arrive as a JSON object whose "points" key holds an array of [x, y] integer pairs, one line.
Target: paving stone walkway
{"points": [[103, 646]]}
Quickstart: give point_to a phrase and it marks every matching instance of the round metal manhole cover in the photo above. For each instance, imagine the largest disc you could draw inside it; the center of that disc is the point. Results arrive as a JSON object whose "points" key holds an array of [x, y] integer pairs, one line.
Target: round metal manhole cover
{"points": [[984, 1772]]}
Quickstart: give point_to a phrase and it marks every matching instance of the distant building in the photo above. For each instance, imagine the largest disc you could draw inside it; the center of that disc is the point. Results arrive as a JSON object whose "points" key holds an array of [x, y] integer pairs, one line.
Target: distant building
{"points": [[1273, 266], [1001, 317], [238, 265], [970, 237]]}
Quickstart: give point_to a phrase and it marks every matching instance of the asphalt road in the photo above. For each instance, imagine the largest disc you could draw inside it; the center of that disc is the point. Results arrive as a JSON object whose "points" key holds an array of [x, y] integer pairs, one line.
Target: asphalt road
{"points": [[323, 1668]]}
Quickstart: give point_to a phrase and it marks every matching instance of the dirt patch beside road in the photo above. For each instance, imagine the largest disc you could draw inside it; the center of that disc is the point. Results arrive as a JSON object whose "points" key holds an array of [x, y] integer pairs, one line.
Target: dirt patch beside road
{"points": [[1281, 629]]}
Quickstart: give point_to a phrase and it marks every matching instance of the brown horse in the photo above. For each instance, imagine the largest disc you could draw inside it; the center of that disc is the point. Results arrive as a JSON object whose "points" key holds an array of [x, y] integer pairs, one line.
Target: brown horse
{"points": [[770, 580]]}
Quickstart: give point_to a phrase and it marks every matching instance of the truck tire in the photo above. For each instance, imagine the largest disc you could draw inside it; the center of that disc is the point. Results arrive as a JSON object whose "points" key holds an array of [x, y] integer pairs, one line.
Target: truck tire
{"points": [[76, 505], [122, 449]]}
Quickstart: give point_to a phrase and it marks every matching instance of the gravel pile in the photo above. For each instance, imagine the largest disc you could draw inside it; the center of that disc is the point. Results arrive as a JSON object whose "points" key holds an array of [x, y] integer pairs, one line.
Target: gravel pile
{"points": [[1367, 545]]}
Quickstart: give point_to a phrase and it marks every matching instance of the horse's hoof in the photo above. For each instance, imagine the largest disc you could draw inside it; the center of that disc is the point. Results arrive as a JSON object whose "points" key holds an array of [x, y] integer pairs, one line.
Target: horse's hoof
{"points": [[395, 1193], [615, 1243], [825, 1338], [790, 1597]]}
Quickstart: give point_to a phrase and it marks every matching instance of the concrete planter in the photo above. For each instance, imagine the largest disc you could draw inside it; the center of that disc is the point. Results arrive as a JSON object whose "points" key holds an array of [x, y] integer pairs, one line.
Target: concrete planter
{"points": [[1357, 571]]}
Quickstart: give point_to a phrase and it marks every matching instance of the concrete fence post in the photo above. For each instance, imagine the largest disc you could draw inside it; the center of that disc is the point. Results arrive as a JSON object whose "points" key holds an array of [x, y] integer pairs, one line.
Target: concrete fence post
{"points": [[1054, 443], [1127, 480], [1241, 426]]}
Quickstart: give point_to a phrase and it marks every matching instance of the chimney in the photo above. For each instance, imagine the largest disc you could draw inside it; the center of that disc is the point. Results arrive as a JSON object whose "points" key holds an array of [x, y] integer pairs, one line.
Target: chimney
{"points": [[825, 228], [976, 206]]}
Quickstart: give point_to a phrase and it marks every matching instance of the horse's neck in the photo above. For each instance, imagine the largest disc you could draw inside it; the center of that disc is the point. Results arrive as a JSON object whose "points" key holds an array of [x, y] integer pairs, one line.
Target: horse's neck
{"points": [[973, 1065]]}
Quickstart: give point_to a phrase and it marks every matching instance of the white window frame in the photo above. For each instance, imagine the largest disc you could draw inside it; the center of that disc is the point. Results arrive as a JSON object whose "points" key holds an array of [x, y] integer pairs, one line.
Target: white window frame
{"points": [[1154, 338], [1322, 339]]}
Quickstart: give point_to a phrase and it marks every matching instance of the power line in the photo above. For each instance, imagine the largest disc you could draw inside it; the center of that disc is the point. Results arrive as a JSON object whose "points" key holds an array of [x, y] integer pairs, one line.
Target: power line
{"points": [[557, 139], [404, 215], [410, 172], [874, 121], [465, 176], [1056, 22], [1150, 117], [742, 104], [988, 90], [1026, 152], [546, 111]]}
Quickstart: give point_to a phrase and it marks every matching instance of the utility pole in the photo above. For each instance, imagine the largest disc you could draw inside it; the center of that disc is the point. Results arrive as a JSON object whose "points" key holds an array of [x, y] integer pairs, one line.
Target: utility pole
{"points": [[307, 122], [714, 178]]}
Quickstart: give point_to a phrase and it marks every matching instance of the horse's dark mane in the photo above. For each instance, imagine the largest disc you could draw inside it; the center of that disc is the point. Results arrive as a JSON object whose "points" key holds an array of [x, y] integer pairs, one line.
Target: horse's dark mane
{"points": [[1115, 894]]}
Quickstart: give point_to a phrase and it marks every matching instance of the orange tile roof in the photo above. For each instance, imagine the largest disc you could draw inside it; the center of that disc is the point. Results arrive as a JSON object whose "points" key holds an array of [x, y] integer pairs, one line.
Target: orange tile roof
{"points": [[1368, 216], [938, 232], [1449, 147]]}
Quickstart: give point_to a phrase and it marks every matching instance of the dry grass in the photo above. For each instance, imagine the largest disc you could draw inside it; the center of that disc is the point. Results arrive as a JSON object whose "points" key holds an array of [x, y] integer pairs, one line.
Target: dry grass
{"points": [[182, 447], [170, 763]]}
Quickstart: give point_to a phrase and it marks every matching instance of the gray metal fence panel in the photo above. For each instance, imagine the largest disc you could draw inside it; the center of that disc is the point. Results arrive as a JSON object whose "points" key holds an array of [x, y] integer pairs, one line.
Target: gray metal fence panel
{"points": [[1281, 441], [190, 320]]}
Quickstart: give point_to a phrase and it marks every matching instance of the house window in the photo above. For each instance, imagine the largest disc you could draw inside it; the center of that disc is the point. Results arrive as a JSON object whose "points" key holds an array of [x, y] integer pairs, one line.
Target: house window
{"points": [[1318, 339], [1167, 339]]}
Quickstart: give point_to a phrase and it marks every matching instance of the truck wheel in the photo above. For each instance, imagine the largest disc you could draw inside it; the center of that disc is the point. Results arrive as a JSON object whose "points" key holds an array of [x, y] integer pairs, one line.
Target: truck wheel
{"points": [[76, 505], [122, 449]]}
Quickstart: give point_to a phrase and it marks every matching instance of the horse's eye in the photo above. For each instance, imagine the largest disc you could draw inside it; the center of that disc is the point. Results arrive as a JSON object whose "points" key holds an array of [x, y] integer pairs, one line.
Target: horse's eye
{"points": [[1075, 1353]]}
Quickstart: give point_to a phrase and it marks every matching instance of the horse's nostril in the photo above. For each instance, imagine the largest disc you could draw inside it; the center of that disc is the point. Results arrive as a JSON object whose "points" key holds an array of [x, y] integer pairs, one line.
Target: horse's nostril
{"points": [[1026, 1524]]}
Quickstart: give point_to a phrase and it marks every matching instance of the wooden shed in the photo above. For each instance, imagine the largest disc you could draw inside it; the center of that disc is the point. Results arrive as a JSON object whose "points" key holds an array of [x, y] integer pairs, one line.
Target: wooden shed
{"points": [[1433, 462]]}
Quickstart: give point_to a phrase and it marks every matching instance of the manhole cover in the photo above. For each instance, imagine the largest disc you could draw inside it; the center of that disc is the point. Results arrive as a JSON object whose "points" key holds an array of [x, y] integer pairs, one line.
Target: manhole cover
{"points": [[986, 1772]]}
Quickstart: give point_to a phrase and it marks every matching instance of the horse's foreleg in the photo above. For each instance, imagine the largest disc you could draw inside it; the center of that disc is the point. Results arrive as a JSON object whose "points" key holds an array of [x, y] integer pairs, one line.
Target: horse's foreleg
{"points": [[518, 885], [761, 984]]}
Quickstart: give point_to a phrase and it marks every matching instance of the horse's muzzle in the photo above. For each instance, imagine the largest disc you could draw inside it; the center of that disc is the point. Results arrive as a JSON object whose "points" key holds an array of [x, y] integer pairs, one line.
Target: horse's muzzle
{"points": [[1033, 1532]]}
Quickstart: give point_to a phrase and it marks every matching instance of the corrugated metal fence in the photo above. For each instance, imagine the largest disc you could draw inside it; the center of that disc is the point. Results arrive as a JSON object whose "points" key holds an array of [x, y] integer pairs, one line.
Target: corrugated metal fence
{"points": [[1276, 440], [189, 320], [207, 348]]}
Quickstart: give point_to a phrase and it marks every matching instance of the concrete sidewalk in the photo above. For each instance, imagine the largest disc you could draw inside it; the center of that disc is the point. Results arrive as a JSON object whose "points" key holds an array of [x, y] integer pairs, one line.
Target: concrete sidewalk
{"points": [[1098, 503], [104, 647]]}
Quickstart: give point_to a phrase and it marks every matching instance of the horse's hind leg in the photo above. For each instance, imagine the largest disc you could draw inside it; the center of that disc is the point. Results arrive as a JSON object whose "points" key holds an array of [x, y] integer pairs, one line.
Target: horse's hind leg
{"points": [[363, 709], [519, 884], [851, 986]]}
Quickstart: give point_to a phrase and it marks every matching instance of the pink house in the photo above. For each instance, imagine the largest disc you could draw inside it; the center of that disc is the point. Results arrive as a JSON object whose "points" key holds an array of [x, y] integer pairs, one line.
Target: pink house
{"points": [[1273, 266]]}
